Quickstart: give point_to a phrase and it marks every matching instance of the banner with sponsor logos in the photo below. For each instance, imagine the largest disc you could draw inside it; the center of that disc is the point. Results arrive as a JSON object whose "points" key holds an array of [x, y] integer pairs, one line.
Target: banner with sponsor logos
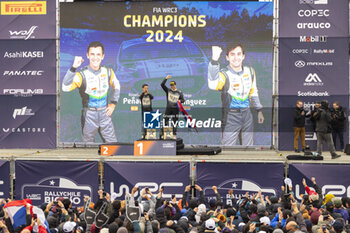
{"points": [[333, 181], [241, 177], [121, 177], [313, 60], [28, 122], [45, 181], [146, 41], [308, 69], [4, 179], [311, 18], [28, 67], [24, 20]]}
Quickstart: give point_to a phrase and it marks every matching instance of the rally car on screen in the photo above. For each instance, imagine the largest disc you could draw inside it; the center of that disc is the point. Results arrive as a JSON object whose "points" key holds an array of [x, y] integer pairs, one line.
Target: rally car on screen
{"points": [[141, 62]]}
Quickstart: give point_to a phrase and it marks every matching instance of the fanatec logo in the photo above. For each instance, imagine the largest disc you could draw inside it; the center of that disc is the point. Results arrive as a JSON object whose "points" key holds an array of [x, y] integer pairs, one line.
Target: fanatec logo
{"points": [[23, 73], [22, 112], [313, 79], [299, 64], [23, 34]]}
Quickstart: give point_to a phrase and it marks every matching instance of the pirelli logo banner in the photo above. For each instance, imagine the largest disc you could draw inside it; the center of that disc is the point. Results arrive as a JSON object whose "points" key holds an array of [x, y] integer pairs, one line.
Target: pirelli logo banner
{"points": [[23, 8], [28, 20]]}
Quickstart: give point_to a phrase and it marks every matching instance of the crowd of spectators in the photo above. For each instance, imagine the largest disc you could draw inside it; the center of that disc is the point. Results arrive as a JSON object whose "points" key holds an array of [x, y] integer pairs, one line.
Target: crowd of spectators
{"points": [[151, 213]]}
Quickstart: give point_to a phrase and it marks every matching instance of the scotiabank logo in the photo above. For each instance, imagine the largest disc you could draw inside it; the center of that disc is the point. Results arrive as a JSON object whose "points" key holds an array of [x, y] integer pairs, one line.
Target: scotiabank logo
{"points": [[313, 93], [23, 34], [312, 39], [23, 8], [313, 79]]}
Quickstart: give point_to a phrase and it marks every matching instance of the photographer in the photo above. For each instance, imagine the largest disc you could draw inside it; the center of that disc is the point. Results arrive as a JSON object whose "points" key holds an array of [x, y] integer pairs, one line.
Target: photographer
{"points": [[299, 126], [323, 129], [338, 124]]}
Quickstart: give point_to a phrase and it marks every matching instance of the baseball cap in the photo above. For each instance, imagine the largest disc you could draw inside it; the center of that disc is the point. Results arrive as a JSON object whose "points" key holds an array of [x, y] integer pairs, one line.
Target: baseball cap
{"points": [[172, 83], [69, 226], [210, 224], [265, 220]]}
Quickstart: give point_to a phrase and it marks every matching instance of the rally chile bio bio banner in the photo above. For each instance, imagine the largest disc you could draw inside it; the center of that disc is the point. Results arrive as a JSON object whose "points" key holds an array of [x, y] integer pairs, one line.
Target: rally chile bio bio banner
{"points": [[45, 181], [313, 61], [241, 177]]}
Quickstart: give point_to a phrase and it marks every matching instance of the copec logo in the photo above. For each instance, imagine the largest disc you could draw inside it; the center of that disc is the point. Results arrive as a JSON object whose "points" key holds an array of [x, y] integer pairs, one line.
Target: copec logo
{"points": [[300, 51], [314, 13], [153, 187], [23, 34]]}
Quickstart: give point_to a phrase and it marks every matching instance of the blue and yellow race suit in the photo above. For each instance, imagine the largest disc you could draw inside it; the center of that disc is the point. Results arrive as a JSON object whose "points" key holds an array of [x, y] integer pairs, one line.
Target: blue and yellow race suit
{"points": [[238, 92], [93, 88]]}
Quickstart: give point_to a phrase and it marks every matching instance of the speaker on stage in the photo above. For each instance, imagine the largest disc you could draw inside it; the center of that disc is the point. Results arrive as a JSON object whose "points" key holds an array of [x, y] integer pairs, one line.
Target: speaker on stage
{"points": [[347, 149]]}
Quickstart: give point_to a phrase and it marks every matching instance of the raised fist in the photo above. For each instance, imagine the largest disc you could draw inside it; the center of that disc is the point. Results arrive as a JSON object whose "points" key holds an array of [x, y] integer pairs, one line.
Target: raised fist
{"points": [[216, 52], [77, 61]]}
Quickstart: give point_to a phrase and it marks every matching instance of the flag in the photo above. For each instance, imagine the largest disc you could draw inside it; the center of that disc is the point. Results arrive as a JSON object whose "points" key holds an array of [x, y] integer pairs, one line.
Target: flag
{"points": [[17, 212], [187, 117]]}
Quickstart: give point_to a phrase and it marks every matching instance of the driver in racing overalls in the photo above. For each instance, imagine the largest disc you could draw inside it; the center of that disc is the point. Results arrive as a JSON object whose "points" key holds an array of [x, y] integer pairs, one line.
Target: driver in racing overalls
{"points": [[237, 84], [94, 82]]}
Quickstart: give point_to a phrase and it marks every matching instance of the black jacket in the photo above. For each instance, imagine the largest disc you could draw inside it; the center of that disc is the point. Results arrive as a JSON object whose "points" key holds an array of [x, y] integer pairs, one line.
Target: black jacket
{"points": [[323, 120], [299, 120], [313, 119], [338, 118]]}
